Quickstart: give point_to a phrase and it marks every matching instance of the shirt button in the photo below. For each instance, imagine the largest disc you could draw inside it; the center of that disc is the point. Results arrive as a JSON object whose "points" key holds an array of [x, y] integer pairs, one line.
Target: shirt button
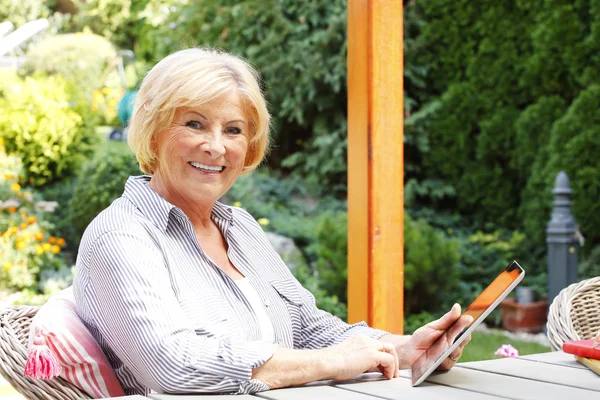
{"points": [[267, 302]]}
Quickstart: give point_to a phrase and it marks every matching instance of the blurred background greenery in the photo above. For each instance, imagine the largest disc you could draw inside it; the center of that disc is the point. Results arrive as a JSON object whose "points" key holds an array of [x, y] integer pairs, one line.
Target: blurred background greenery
{"points": [[499, 97]]}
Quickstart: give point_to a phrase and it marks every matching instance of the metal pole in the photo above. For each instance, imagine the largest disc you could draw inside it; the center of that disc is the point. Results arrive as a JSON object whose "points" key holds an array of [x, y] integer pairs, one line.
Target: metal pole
{"points": [[561, 239]]}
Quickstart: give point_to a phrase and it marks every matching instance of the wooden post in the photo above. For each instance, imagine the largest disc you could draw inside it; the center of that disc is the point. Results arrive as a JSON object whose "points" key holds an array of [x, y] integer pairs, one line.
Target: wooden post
{"points": [[375, 164]]}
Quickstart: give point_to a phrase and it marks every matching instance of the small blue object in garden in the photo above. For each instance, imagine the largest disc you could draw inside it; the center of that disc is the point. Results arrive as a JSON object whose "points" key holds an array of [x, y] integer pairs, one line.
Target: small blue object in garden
{"points": [[125, 107]]}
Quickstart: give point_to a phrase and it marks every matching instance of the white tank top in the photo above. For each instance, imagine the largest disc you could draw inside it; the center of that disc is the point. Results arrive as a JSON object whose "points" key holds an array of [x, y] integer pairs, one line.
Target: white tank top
{"points": [[264, 323]]}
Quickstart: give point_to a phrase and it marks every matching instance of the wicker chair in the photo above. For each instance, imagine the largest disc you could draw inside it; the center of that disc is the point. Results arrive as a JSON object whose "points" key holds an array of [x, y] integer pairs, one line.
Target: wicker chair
{"points": [[575, 313], [14, 332]]}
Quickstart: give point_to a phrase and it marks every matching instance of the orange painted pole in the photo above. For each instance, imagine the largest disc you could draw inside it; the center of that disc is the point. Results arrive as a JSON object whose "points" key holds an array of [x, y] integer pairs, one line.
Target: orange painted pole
{"points": [[375, 164]]}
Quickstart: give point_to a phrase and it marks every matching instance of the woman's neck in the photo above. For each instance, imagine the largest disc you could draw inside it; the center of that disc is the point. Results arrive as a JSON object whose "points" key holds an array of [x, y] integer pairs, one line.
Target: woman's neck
{"points": [[199, 213]]}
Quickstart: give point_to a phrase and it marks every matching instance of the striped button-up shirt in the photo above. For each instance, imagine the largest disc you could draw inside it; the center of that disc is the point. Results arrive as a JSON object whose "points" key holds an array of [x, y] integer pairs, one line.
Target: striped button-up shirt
{"points": [[168, 319]]}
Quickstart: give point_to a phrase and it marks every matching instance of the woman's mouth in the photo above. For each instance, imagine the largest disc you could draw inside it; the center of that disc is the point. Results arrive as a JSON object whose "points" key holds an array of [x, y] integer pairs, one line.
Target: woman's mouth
{"points": [[215, 169]]}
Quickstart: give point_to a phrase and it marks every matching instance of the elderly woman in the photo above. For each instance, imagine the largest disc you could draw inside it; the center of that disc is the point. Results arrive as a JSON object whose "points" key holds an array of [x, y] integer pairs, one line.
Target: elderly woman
{"points": [[185, 294]]}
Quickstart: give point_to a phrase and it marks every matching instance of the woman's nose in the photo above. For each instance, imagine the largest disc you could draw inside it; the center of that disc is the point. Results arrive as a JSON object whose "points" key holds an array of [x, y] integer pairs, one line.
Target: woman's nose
{"points": [[213, 145]]}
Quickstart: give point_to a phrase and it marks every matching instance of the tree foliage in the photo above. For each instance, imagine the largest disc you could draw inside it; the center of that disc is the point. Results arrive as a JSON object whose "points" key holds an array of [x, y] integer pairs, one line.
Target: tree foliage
{"points": [[509, 102]]}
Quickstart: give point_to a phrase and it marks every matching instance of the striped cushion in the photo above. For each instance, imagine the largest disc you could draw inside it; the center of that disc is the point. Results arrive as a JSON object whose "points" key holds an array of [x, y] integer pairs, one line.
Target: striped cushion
{"points": [[83, 362]]}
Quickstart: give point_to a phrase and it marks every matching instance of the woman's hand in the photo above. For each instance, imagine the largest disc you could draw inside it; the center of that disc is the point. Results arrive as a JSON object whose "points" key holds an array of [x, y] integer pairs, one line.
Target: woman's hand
{"points": [[358, 354], [426, 335]]}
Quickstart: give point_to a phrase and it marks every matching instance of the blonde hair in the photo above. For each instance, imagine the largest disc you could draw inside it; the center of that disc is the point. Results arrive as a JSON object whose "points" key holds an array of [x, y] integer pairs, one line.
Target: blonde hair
{"points": [[189, 78]]}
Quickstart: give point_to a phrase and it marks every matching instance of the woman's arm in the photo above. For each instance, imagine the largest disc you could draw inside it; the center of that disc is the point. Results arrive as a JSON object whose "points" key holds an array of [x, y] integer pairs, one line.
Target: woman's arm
{"points": [[342, 361]]}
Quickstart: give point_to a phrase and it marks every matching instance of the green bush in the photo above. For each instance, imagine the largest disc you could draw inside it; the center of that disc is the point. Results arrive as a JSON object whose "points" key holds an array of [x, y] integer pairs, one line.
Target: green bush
{"points": [[20, 12], [498, 77], [331, 251], [99, 182], [84, 59], [574, 147], [483, 256], [27, 246], [430, 267], [61, 192], [39, 125], [589, 267]]}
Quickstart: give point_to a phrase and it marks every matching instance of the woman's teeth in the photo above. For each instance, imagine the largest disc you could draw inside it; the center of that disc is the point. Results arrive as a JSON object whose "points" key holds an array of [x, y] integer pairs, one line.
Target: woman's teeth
{"points": [[206, 168]]}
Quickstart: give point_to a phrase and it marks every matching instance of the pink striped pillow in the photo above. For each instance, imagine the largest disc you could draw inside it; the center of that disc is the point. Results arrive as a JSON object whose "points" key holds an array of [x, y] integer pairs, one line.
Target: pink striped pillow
{"points": [[82, 361]]}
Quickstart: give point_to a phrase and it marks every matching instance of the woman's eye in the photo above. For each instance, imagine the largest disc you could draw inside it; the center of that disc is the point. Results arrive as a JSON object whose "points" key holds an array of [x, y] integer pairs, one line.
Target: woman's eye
{"points": [[194, 124], [235, 131]]}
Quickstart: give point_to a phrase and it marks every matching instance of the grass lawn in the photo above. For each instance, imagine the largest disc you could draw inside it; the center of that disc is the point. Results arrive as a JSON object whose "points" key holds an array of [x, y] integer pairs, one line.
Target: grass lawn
{"points": [[483, 346], [106, 145]]}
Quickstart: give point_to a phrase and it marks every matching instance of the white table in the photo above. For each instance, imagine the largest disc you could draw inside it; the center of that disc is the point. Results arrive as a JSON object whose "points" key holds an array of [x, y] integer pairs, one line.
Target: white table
{"points": [[540, 376]]}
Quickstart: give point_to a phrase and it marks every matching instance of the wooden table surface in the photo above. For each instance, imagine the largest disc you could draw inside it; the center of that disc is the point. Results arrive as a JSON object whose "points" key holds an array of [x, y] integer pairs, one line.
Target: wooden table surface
{"points": [[540, 376]]}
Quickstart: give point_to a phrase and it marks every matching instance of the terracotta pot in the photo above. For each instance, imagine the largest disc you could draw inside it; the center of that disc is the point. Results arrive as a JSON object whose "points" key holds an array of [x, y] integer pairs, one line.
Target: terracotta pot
{"points": [[518, 317]]}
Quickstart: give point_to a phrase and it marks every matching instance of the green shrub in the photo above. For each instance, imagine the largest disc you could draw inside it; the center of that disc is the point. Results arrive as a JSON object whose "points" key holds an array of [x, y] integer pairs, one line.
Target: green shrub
{"points": [[412, 322], [589, 267], [574, 148], [20, 12], [331, 250], [27, 246], [99, 182], [61, 192], [430, 267], [39, 125], [483, 256], [84, 59]]}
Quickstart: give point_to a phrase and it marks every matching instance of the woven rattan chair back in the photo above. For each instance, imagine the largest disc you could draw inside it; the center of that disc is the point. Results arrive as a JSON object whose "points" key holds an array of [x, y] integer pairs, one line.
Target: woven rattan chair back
{"points": [[575, 313], [14, 332]]}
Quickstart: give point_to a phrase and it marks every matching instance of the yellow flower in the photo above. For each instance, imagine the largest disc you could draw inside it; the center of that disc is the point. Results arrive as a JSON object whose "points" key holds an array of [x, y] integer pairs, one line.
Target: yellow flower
{"points": [[60, 241], [107, 91], [23, 225], [237, 204], [31, 220], [55, 249], [97, 97], [263, 221], [38, 249], [112, 103], [7, 176], [52, 240], [8, 266], [39, 236], [1, 141], [21, 245], [23, 214], [15, 187], [12, 210], [94, 107], [46, 246]]}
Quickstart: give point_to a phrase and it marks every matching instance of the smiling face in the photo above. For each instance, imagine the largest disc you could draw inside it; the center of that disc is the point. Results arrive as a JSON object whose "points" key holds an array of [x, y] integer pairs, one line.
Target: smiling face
{"points": [[202, 152]]}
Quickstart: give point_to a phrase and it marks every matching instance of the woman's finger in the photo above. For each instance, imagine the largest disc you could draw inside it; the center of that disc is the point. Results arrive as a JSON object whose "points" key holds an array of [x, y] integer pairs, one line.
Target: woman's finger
{"points": [[446, 320], [386, 364], [390, 348]]}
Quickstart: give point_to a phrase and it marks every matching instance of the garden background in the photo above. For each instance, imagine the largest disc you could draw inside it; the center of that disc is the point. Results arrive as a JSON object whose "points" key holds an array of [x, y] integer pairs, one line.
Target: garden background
{"points": [[499, 97]]}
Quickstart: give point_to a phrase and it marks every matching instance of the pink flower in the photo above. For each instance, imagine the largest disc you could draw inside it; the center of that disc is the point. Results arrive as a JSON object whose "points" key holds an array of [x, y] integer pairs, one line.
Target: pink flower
{"points": [[507, 350]]}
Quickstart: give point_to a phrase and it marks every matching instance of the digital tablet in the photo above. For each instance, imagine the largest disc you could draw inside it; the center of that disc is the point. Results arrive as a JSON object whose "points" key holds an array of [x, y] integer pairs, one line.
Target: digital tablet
{"points": [[479, 309]]}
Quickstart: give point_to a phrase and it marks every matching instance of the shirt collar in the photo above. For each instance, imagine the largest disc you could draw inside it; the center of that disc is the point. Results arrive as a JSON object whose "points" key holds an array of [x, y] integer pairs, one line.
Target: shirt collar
{"points": [[157, 209]]}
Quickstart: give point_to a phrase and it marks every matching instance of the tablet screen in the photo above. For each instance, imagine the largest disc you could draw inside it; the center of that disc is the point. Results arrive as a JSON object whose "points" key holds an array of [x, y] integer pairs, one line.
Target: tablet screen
{"points": [[479, 309]]}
